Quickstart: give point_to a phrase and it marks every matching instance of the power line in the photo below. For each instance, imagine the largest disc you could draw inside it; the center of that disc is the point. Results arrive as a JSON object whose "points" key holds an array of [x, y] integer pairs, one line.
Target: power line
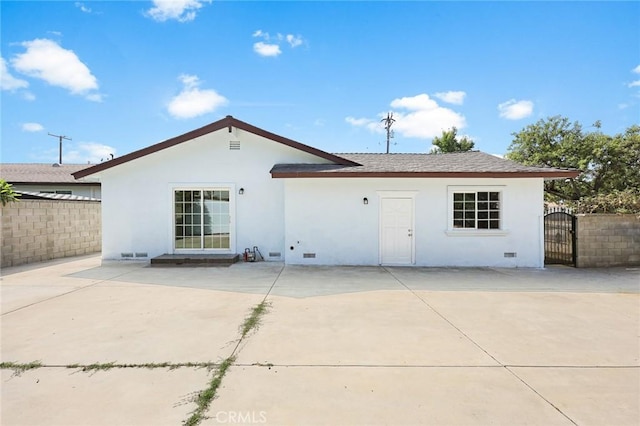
{"points": [[60, 137]]}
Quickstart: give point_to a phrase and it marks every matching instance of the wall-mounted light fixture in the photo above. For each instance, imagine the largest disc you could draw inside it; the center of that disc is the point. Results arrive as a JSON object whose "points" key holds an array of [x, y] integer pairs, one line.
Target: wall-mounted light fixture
{"points": [[365, 201], [241, 191]]}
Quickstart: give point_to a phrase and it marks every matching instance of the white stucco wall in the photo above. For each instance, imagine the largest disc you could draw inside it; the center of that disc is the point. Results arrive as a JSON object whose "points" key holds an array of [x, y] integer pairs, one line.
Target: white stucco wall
{"points": [[137, 196], [324, 217], [327, 217]]}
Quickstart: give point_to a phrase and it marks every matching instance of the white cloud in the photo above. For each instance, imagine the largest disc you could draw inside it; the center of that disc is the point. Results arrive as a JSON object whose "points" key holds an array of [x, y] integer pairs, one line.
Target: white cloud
{"points": [[266, 49], [9, 82], [48, 61], [451, 97], [193, 101], [357, 121], [373, 126], [635, 83], [95, 97], [82, 7], [294, 41], [418, 102], [32, 127], [85, 152], [515, 110], [180, 10], [270, 46], [266, 36], [422, 118]]}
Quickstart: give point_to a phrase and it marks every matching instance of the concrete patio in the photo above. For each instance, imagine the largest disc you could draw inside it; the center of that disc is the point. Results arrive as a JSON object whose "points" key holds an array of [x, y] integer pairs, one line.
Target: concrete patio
{"points": [[345, 345]]}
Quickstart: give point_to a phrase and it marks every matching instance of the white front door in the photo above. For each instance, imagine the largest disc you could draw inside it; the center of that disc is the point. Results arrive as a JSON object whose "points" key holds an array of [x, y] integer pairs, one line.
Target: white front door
{"points": [[396, 231]]}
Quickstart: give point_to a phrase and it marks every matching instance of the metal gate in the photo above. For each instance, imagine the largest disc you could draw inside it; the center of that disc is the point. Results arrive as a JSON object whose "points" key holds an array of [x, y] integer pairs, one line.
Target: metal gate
{"points": [[559, 238]]}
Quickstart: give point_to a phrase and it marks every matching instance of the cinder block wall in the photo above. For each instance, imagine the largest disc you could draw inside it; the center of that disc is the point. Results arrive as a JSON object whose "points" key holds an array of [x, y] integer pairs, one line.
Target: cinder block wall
{"points": [[37, 230], [607, 240]]}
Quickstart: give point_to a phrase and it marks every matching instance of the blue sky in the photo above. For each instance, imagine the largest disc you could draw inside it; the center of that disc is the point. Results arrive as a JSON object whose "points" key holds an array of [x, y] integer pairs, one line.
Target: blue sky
{"points": [[118, 76]]}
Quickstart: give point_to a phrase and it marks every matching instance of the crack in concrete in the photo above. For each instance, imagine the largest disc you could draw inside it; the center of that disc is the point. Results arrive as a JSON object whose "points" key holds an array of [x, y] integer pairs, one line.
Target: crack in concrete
{"points": [[206, 396], [443, 317], [64, 294], [540, 395], [244, 338], [501, 365], [259, 364]]}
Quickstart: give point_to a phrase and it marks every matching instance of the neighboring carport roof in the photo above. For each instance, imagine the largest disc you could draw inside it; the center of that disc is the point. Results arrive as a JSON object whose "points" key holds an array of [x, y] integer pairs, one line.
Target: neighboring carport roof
{"points": [[457, 164], [42, 174], [30, 195], [228, 122]]}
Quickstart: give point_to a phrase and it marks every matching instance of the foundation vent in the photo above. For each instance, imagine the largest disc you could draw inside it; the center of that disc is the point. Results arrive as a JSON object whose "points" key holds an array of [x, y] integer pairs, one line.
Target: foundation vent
{"points": [[126, 255], [139, 254], [309, 255], [234, 145], [510, 254], [274, 254]]}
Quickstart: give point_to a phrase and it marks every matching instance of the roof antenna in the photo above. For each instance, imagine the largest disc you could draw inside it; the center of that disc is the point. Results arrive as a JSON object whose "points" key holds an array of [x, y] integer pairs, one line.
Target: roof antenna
{"points": [[388, 122], [60, 137]]}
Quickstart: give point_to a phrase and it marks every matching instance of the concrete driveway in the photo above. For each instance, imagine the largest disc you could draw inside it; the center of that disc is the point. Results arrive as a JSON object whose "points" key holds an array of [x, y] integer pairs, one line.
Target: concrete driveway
{"points": [[126, 344]]}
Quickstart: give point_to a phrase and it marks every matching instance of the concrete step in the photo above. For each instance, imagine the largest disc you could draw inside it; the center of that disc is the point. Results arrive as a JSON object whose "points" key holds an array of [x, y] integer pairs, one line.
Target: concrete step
{"points": [[195, 259]]}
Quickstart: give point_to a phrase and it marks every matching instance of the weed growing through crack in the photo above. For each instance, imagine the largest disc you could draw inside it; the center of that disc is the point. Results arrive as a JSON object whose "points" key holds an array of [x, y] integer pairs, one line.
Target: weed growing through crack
{"points": [[253, 321], [206, 396], [99, 366], [148, 365], [19, 368]]}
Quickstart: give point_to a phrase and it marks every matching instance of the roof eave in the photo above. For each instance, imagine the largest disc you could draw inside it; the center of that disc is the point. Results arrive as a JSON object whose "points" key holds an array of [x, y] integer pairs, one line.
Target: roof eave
{"points": [[546, 175], [55, 183]]}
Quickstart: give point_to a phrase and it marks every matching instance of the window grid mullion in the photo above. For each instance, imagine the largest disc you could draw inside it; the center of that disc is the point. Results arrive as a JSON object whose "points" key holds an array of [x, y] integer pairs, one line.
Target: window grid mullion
{"points": [[467, 216]]}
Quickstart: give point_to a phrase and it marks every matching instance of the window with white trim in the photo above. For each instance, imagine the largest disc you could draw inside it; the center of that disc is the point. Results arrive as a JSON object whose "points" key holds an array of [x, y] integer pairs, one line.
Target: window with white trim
{"points": [[476, 210]]}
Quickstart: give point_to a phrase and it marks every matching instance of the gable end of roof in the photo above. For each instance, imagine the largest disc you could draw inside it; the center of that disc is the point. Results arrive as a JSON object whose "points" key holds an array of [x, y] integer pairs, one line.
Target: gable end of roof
{"points": [[228, 122]]}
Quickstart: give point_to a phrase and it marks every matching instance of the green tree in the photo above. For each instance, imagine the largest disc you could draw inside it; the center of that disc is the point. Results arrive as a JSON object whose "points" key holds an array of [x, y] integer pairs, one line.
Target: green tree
{"points": [[7, 194], [608, 163], [449, 142], [616, 161]]}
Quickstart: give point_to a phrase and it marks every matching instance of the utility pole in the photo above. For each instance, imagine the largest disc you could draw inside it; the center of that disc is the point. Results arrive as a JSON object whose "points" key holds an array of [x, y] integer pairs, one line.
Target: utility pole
{"points": [[60, 137], [388, 122]]}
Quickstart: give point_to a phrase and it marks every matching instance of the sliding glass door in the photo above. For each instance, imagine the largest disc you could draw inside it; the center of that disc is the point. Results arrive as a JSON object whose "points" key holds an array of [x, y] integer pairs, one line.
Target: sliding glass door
{"points": [[202, 219]]}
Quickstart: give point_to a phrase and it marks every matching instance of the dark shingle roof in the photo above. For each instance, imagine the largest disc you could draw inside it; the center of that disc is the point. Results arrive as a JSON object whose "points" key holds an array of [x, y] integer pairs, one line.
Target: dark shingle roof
{"points": [[23, 173], [463, 164]]}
